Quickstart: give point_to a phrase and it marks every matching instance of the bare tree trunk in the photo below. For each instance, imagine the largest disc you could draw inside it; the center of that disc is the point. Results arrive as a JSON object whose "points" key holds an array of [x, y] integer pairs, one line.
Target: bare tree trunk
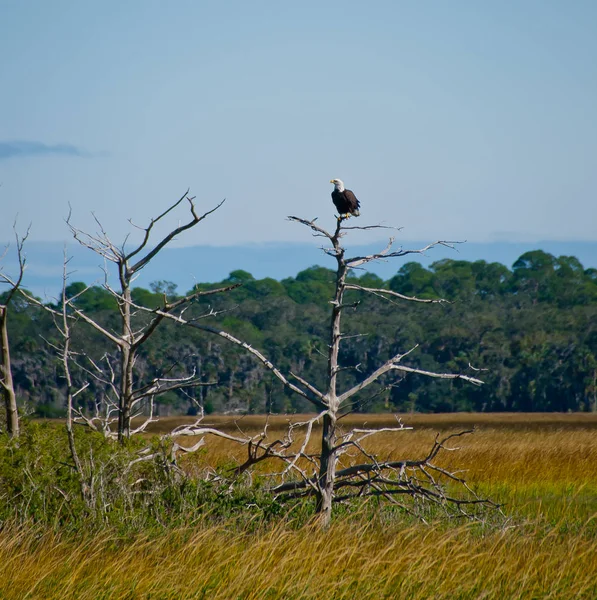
{"points": [[126, 398], [126, 393], [86, 491], [327, 466], [127, 355], [8, 391], [126, 386], [83, 485], [6, 381], [327, 469]]}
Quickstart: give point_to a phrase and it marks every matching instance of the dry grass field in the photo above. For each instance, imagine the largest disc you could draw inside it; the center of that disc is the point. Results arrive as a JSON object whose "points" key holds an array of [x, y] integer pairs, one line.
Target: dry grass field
{"points": [[542, 467]]}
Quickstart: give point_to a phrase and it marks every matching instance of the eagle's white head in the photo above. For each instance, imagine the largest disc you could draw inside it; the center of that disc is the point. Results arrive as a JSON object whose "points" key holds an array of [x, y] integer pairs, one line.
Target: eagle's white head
{"points": [[338, 184]]}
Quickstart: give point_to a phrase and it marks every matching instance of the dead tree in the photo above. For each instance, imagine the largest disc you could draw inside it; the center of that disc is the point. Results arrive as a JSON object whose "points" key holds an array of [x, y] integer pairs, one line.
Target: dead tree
{"points": [[63, 323], [332, 444], [119, 380], [6, 381], [318, 474]]}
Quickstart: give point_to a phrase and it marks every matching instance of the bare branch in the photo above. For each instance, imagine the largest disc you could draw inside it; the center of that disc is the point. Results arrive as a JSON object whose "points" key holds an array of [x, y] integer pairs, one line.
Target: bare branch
{"points": [[387, 366], [318, 230], [365, 433], [168, 307], [310, 387], [148, 229], [405, 369], [146, 421], [114, 339], [314, 398], [195, 430], [369, 227], [100, 244], [161, 385], [22, 262], [383, 293], [391, 478], [360, 260], [168, 238]]}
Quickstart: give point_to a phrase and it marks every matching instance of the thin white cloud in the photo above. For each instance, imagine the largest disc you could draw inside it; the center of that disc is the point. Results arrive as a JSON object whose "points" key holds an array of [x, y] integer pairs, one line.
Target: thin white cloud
{"points": [[20, 148]]}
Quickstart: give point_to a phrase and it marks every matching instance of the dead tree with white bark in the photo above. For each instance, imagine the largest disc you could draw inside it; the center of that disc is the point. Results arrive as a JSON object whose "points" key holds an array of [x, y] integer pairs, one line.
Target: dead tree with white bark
{"points": [[63, 324], [6, 380], [334, 473], [126, 394]]}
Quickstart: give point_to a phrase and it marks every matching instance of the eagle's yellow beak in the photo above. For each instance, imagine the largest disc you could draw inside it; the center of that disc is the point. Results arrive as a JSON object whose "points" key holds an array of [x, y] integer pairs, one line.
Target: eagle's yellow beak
{"points": [[332, 180]]}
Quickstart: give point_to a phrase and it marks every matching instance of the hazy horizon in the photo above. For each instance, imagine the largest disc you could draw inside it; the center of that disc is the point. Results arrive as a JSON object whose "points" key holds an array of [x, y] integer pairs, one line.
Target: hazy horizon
{"points": [[189, 265]]}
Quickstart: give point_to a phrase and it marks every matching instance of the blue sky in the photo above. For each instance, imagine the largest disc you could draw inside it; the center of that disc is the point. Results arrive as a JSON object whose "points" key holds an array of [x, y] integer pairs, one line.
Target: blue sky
{"points": [[454, 120]]}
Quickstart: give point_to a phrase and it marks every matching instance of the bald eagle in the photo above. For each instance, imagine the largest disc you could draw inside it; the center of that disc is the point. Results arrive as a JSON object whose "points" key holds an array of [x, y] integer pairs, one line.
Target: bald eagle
{"points": [[345, 201]]}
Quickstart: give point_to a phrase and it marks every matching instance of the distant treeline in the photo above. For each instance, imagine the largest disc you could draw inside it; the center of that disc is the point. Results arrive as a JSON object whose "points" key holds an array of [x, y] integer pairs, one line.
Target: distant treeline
{"points": [[530, 333]]}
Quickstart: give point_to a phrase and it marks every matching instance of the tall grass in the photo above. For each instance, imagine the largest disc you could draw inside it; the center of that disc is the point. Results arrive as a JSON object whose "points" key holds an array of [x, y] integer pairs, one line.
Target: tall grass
{"points": [[522, 460], [366, 559], [544, 468]]}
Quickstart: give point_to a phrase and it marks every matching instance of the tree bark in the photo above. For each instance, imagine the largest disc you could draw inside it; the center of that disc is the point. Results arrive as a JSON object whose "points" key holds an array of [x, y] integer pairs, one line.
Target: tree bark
{"points": [[127, 360], [327, 469], [327, 465], [8, 391], [126, 393]]}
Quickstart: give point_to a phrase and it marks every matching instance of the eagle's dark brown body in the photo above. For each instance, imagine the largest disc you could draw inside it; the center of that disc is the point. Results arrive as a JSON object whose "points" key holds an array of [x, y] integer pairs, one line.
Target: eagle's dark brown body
{"points": [[346, 202]]}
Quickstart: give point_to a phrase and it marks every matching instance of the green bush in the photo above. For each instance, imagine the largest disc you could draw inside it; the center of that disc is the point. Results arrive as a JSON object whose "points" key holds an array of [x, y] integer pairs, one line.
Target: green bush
{"points": [[131, 487]]}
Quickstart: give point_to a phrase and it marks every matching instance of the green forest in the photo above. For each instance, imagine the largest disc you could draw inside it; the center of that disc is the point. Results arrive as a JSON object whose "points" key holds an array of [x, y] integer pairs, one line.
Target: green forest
{"points": [[529, 332]]}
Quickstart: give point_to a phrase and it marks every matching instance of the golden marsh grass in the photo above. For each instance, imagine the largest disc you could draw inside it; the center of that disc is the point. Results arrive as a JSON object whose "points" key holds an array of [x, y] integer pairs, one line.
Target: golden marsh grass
{"points": [[349, 560], [544, 467]]}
